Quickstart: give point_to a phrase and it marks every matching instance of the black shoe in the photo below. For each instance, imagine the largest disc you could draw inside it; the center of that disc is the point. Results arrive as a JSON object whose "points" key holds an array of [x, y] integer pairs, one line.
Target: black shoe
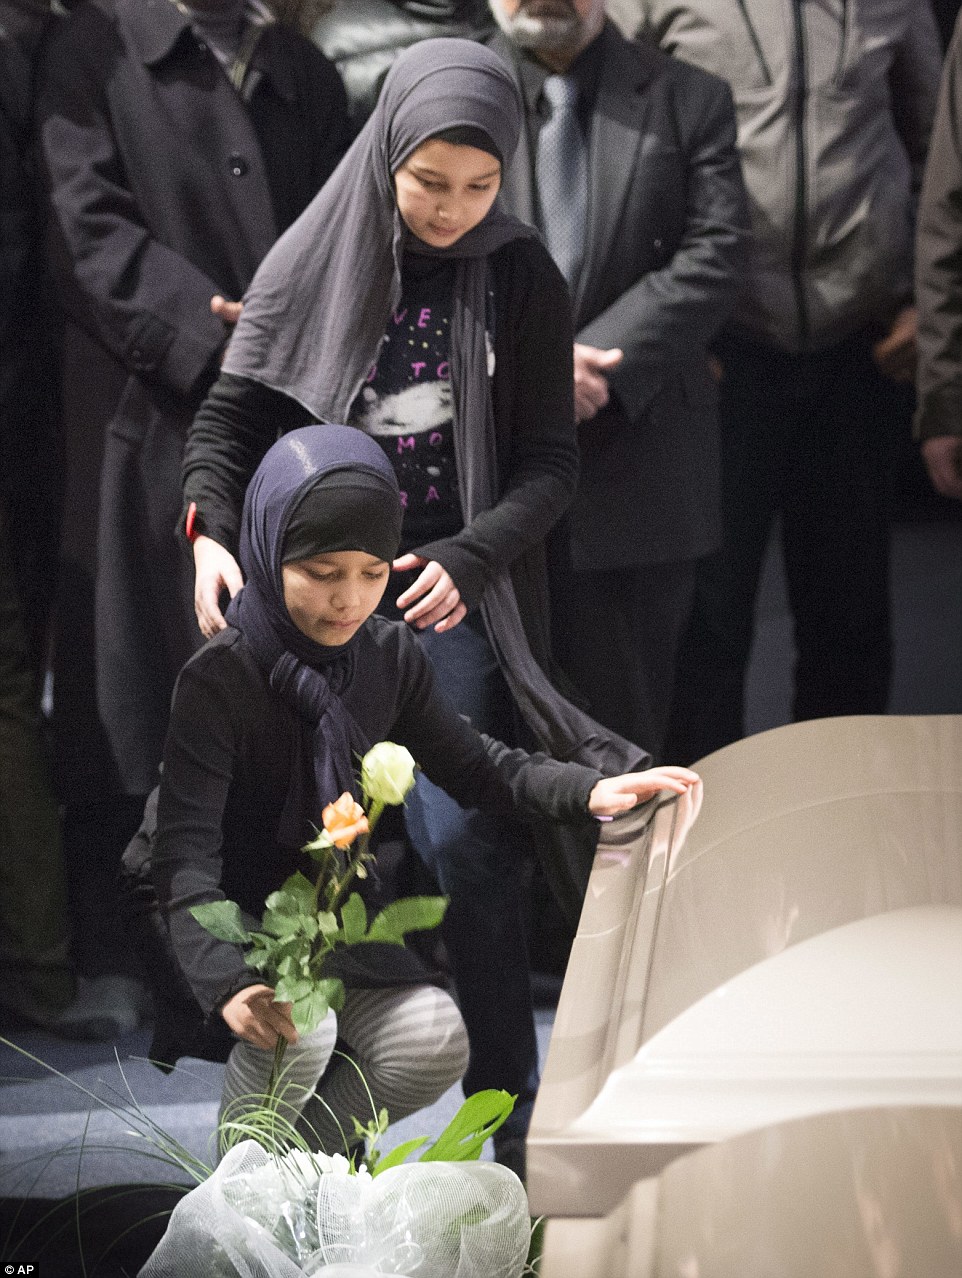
{"points": [[104, 1008]]}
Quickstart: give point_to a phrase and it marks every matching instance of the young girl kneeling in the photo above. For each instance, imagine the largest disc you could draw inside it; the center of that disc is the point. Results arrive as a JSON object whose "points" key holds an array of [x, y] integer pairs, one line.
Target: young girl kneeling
{"points": [[267, 723]]}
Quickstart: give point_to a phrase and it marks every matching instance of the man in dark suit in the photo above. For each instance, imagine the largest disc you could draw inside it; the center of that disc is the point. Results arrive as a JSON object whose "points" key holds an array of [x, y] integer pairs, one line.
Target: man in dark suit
{"points": [[648, 223]]}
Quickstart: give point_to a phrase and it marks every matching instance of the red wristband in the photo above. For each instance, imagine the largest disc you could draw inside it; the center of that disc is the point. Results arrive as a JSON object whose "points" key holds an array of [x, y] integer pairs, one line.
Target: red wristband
{"points": [[192, 532]]}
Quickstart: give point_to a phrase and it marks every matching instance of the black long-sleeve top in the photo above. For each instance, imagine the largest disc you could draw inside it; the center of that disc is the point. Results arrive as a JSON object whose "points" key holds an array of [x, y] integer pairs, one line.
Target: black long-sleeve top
{"points": [[537, 451], [229, 752]]}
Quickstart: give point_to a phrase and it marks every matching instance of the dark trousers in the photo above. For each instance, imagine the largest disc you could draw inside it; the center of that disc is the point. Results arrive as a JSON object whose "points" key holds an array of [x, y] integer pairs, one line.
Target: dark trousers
{"points": [[146, 629], [34, 931], [802, 436], [475, 858], [624, 628]]}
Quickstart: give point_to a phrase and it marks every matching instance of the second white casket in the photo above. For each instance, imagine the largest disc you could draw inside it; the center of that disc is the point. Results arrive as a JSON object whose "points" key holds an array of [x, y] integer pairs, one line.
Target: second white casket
{"points": [[795, 951]]}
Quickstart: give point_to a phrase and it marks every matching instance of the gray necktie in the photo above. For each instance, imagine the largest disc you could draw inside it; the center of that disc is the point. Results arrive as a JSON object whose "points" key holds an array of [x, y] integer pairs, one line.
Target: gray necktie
{"points": [[561, 170]]}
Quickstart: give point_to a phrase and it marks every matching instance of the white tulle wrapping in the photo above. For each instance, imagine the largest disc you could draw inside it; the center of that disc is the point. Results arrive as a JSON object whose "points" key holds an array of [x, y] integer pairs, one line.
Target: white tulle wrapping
{"points": [[264, 1217]]}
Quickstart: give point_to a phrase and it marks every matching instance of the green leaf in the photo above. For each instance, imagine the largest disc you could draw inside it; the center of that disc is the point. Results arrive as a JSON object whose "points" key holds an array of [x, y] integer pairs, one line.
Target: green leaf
{"points": [[282, 902], [307, 1013], [292, 991], [374, 1128], [353, 919], [222, 919], [279, 924], [321, 839], [478, 1118], [323, 996], [399, 1153], [290, 949], [277, 956], [334, 992], [327, 924], [410, 914], [295, 965], [301, 889]]}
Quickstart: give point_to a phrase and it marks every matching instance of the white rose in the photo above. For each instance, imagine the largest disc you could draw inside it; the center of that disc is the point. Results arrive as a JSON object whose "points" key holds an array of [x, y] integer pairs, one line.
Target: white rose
{"points": [[387, 772]]}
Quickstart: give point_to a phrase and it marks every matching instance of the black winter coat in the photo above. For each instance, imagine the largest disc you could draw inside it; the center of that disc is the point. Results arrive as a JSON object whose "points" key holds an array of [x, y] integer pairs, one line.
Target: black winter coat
{"points": [[166, 186]]}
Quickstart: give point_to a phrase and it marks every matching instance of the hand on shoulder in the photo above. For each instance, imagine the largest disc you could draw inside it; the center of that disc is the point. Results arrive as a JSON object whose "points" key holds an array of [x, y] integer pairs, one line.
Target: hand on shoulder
{"points": [[215, 570]]}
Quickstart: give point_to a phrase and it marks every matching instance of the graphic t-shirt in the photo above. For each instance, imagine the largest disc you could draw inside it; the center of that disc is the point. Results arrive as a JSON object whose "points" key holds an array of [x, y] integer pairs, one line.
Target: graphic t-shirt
{"points": [[406, 403]]}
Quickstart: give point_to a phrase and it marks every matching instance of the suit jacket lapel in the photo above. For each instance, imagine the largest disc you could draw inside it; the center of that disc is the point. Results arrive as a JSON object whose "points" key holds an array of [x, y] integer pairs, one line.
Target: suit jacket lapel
{"points": [[518, 182], [626, 68]]}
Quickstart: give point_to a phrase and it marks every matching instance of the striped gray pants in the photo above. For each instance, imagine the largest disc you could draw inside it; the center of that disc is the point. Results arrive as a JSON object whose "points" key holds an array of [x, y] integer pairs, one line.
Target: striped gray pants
{"points": [[408, 1045]]}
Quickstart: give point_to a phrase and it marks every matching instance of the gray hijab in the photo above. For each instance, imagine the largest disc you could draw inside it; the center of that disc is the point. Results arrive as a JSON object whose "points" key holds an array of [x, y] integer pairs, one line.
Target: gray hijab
{"points": [[318, 307]]}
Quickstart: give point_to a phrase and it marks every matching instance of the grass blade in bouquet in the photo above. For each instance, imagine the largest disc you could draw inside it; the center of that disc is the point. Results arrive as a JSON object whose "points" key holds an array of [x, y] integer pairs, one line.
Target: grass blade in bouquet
{"points": [[461, 1141]]}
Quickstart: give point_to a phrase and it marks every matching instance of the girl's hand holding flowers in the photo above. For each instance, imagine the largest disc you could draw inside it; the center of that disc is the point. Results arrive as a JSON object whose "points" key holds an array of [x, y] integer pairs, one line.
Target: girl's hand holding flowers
{"points": [[614, 795], [253, 1015]]}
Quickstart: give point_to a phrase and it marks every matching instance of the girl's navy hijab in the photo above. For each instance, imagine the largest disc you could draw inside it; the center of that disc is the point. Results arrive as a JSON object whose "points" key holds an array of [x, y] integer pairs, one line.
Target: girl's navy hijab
{"points": [[312, 677]]}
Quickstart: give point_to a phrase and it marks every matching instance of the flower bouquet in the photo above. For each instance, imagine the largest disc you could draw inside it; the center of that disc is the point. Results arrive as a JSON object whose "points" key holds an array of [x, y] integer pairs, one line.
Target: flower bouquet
{"points": [[273, 1215], [304, 922]]}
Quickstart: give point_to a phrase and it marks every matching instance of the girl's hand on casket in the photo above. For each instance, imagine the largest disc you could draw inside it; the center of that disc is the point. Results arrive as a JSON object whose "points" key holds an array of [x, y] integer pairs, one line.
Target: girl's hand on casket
{"points": [[254, 1016], [215, 570], [619, 794]]}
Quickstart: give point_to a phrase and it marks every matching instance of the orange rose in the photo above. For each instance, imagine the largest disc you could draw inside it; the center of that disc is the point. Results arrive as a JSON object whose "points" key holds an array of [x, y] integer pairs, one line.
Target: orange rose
{"points": [[344, 820]]}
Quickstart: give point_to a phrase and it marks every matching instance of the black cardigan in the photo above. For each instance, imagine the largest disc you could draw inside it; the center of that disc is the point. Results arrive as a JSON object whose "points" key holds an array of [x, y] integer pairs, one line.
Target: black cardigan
{"points": [[226, 765], [537, 452]]}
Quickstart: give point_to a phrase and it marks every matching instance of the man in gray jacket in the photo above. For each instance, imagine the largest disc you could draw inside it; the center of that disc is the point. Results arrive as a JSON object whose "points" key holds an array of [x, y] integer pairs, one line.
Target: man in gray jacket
{"points": [[835, 102], [939, 288]]}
